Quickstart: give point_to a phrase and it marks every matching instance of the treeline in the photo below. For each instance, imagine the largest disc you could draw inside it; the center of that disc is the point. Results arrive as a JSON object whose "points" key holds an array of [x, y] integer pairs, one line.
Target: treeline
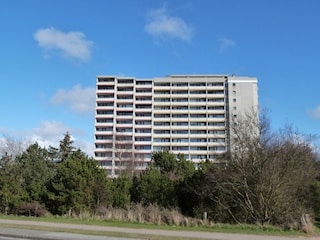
{"points": [[268, 178]]}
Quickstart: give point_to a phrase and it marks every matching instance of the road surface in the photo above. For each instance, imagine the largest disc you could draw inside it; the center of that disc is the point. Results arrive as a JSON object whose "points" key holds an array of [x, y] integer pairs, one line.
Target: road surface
{"points": [[48, 235]]}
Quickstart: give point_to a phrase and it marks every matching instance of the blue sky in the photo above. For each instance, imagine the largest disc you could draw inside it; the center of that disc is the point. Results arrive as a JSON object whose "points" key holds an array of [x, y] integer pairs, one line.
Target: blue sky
{"points": [[52, 51]]}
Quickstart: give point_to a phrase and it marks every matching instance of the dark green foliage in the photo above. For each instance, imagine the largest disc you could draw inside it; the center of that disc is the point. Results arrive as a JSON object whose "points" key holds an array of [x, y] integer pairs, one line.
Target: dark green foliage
{"points": [[120, 188], [154, 187], [35, 170], [65, 147], [11, 191], [78, 185]]}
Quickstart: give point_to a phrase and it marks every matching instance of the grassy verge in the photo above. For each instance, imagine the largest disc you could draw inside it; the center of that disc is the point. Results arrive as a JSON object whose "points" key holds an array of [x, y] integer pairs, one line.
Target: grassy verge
{"points": [[226, 228]]}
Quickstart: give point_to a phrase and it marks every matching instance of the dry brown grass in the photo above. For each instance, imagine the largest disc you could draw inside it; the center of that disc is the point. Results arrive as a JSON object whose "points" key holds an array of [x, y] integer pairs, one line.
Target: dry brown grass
{"points": [[137, 213]]}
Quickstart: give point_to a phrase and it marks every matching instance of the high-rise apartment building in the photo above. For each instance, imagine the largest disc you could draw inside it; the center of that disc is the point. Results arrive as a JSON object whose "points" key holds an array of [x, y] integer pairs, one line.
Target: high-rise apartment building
{"points": [[187, 114]]}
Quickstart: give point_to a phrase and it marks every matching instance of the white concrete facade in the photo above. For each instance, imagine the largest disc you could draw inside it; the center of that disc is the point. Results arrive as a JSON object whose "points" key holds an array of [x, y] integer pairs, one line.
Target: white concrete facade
{"points": [[186, 114]]}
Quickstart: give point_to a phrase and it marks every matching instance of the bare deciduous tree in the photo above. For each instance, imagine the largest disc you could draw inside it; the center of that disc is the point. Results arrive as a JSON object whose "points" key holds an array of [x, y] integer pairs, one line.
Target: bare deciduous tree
{"points": [[11, 146], [268, 175]]}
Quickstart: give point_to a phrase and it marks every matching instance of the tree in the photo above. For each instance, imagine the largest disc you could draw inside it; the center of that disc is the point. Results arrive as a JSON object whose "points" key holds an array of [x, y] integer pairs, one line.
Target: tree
{"points": [[65, 147], [11, 146], [267, 178], [120, 188], [11, 191], [78, 185], [154, 187], [35, 170]]}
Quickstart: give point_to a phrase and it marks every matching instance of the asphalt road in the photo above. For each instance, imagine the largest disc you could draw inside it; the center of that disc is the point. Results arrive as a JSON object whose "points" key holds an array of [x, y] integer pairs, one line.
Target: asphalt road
{"points": [[48, 235]]}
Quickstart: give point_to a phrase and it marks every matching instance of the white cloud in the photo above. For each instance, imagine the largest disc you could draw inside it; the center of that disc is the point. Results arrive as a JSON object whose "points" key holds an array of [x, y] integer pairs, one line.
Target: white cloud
{"points": [[79, 100], [225, 43], [68, 45], [314, 113], [161, 25], [48, 133]]}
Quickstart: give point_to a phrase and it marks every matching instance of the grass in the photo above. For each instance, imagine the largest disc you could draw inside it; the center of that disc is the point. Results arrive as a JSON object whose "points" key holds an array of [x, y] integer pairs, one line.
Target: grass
{"points": [[225, 228]]}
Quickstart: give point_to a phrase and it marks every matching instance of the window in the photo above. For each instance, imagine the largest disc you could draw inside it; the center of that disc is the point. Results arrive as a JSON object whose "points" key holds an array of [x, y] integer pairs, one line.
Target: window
{"points": [[197, 115], [161, 148], [104, 129], [198, 92], [180, 140], [219, 84], [180, 108], [124, 121], [105, 96], [180, 84], [197, 107], [161, 115], [179, 99], [199, 84], [103, 145], [162, 84], [105, 87], [143, 82], [106, 80], [143, 130], [197, 100], [143, 114], [220, 124], [162, 107], [143, 98], [125, 89], [161, 131], [198, 157], [218, 148], [180, 92], [162, 92], [148, 147], [105, 120], [198, 132], [179, 115], [216, 132], [198, 140], [143, 122], [216, 92], [104, 137], [124, 105], [194, 148], [129, 113], [143, 90], [162, 99], [105, 104], [234, 100], [124, 130], [179, 123], [215, 99], [216, 108], [124, 97], [102, 112], [219, 140], [197, 123], [143, 139], [143, 106], [161, 139], [162, 123], [125, 81], [215, 115], [180, 131], [180, 148]]}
